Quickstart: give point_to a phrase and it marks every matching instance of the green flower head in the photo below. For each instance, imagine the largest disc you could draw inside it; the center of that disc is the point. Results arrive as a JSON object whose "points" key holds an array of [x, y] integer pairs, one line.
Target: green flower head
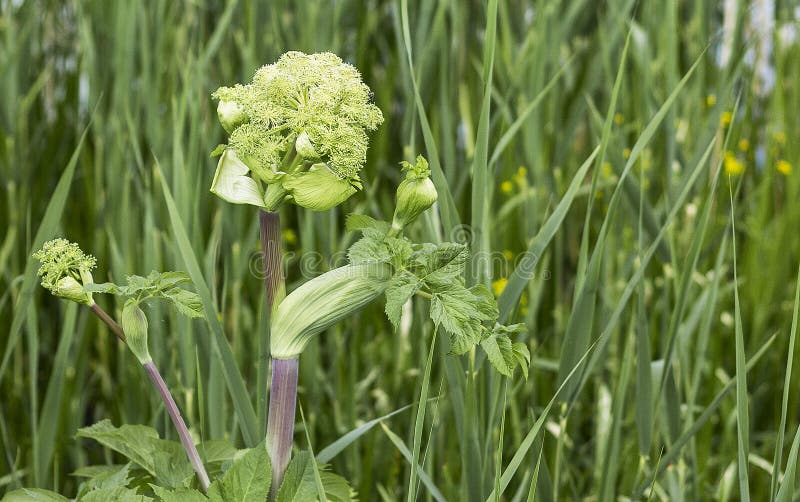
{"points": [[304, 111], [65, 270]]}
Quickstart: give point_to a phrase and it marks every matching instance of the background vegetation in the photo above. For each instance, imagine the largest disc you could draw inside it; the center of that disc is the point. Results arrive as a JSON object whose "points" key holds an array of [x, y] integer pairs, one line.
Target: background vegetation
{"points": [[142, 73]]}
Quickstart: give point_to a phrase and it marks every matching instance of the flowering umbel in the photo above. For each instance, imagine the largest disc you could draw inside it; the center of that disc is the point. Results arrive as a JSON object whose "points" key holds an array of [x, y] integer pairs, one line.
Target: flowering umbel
{"points": [[65, 270], [297, 132]]}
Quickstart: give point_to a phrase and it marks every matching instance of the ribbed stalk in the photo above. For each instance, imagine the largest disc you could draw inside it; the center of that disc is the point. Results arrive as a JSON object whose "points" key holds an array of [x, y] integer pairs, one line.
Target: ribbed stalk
{"points": [[283, 389], [111, 323], [180, 425], [270, 231], [280, 426]]}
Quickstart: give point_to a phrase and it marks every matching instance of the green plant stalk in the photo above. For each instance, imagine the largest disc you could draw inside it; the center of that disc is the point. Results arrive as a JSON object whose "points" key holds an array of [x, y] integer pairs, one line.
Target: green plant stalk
{"points": [[169, 403]]}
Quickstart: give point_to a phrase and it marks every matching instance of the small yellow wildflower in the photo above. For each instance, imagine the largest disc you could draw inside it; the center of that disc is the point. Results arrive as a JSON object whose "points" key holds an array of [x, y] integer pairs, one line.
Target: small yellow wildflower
{"points": [[619, 118], [733, 166], [725, 119], [508, 255], [626, 153], [744, 144], [784, 167], [506, 187], [499, 285], [290, 237], [711, 100], [780, 137], [605, 170], [522, 172]]}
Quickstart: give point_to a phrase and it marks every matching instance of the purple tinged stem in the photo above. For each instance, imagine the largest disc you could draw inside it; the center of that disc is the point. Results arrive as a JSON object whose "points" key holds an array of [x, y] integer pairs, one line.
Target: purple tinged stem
{"points": [[283, 390], [280, 425], [180, 425]]}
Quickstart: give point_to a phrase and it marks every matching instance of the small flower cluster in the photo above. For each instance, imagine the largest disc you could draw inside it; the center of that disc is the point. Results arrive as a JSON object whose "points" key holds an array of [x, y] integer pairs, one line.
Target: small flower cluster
{"points": [[65, 269]]}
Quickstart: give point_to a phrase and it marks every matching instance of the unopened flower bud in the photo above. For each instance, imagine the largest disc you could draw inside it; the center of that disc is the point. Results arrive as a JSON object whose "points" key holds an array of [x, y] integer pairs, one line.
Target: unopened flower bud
{"points": [[70, 289], [231, 115], [415, 194], [134, 325], [305, 147]]}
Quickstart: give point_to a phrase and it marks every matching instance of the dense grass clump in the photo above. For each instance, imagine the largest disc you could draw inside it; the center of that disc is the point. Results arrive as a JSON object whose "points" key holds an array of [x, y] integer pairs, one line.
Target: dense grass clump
{"points": [[625, 175]]}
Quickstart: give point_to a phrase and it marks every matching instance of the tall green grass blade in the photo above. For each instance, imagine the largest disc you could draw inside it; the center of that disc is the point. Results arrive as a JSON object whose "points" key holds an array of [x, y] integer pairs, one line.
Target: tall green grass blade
{"points": [[481, 182], [315, 467], [423, 476], [521, 275], [787, 383], [329, 452], [447, 205], [49, 419], [708, 412], [46, 230], [742, 401], [787, 490], [419, 421], [222, 349]]}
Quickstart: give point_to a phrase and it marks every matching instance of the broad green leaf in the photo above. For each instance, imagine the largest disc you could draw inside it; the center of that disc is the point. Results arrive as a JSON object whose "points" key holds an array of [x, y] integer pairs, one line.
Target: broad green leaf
{"points": [[505, 355], [172, 468], [185, 302], [461, 312], [371, 248], [179, 495], [118, 494], [402, 286], [135, 442], [249, 478], [299, 484], [112, 478], [357, 222], [33, 495], [440, 263]]}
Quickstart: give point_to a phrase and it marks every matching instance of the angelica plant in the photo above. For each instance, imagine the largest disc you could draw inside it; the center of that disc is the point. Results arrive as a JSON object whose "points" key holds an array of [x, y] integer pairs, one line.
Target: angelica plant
{"points": [[384, 261], [66, 271], [298, 133]]}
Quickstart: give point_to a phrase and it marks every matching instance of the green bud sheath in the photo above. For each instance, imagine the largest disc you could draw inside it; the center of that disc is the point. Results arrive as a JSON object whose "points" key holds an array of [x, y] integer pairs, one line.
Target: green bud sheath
{"points": [[322, 302], [134, 325], [414, 196], [70, 289]]}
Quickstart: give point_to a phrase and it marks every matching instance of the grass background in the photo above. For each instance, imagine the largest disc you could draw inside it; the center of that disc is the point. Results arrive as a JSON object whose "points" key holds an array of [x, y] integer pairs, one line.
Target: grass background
{"points": [[661, 399]]}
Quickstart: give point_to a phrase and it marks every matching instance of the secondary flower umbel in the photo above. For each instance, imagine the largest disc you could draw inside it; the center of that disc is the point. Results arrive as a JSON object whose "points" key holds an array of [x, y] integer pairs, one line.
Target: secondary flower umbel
{"points": [[65, 270], [298, 132]]}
